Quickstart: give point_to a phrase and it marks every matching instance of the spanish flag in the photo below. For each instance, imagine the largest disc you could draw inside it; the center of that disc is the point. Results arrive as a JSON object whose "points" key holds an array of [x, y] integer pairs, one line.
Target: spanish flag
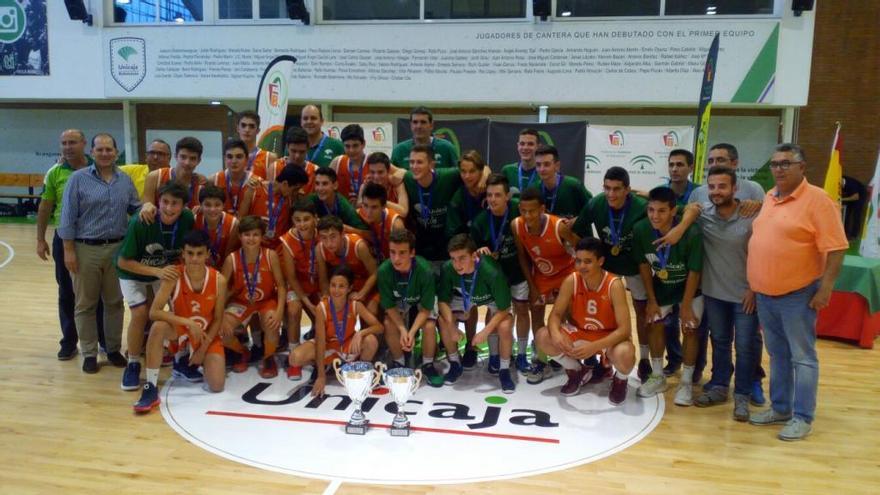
{"points": [[834, 176]]}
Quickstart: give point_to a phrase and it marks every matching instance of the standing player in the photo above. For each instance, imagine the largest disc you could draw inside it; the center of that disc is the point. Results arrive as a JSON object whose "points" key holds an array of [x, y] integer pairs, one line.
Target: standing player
{"points": [[441, 151], [187, 155], [196, 297], [335, 335], [468, 200], [322, 149], [248, 127], [340, 249], [591, 315], [234, 179], [271, 200], [257, 288], [380, 219], [563, 196], [221, 227], [522, 174], [351, 168], [671, 276], [380, 171], [469, 281]]}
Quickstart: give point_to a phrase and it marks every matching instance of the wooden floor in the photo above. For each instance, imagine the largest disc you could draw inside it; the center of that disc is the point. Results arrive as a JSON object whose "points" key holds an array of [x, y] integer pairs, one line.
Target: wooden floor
{"points": [[66, 432]]}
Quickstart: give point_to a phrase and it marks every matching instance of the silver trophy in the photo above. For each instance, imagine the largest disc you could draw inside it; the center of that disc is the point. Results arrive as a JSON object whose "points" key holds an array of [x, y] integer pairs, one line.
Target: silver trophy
{"points": [[358, 378], [403, 382]]}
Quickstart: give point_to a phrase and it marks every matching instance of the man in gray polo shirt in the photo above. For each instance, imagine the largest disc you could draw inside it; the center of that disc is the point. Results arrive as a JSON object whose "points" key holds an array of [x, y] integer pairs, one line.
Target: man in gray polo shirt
{"points": [[749, 192], [730, 304]]}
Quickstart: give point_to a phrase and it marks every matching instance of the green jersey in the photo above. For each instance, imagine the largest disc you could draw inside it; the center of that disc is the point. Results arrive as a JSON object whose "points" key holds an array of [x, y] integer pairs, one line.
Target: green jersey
{"points": [[341, 208], [619, 261], [487, 284], [685, 256], [488, 230], [462, 210], [155, 245], [404, 289], [325, 151], [568, 197], [520, 179], [445, 154], [53, 185], [428, 208]]}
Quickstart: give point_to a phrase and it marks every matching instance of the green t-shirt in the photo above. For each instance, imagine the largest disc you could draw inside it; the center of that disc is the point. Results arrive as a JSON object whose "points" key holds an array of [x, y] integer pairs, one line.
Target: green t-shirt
{"points": [[325, 151], [445, 154], [490, 285], [154, 245], [568, 199], [462, 210], [404, 289], [685, 256], [430, 228], [343, 210], [596, 213], [53, 185], [481, 233], [529, 178]]}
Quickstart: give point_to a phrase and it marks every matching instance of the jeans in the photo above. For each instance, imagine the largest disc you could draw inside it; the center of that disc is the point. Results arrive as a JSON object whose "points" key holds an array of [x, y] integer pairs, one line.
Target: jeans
{"points": [[790, 335], [673, 341], [67, 301], [728, 325]]}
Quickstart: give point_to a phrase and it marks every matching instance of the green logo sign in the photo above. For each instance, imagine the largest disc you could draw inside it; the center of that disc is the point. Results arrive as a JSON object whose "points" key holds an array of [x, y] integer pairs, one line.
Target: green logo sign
{"points": [[126, 51], [546, 139], [12, 21], [449, 135]]}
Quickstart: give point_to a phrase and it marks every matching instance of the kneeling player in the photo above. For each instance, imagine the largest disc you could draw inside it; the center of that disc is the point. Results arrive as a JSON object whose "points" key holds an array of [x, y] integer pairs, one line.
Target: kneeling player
{"points": [[469, 280], [336, 336], [258, 287], [196, 300], [593, 302]]}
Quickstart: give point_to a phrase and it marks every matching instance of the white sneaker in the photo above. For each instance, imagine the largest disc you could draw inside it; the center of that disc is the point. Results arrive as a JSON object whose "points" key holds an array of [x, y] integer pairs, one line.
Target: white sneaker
{"points": [[654, 385], [684, 396]]}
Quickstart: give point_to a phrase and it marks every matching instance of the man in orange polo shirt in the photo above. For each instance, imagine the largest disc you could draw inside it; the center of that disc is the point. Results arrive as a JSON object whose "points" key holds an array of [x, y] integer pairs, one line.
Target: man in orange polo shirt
{"points": [[795, 253]]}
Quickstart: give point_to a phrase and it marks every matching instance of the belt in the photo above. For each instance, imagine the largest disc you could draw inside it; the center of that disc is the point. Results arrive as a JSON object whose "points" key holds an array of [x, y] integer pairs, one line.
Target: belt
{"points": [[99, 242]]}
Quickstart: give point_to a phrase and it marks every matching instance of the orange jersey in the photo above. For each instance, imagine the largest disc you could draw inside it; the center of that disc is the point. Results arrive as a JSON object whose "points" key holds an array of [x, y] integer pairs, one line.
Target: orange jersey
{"points": [[264, 290], [349, 258], [258, 162], [348, 320], [219, 236], [197, 305], [280, 209], [304, 259], [310, 168], [350, 177], [234, 189], [166, 175], [381, 230], [546, 250], [591, 311]]}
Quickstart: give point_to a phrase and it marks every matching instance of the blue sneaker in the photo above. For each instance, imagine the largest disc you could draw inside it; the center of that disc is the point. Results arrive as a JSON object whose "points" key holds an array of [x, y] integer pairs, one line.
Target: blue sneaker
{"points": [[182, 369], [522, 363], [149, 399], [507, 385], [454, 373], [494, 364], [757, 397], [131, 377]]}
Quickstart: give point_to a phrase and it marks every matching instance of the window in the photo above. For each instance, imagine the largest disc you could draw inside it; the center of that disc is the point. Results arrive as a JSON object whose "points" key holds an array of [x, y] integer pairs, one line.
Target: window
{"points": [[148, 11], [245, 9], [719, 7], [360, 10], [474, 9], [607, 8]]}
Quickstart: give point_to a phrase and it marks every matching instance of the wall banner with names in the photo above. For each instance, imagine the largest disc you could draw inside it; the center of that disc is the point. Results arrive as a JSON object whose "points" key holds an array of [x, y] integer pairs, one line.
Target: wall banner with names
{"points": [[464, 134], [567, 137], [378, 135], [642, 150]]}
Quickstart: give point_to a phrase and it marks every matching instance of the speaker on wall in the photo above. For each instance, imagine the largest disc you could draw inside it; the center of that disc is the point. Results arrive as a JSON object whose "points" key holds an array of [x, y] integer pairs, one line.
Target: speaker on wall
{"points": [[76, 10], [542, 9], [296, 9], [799, 6]]}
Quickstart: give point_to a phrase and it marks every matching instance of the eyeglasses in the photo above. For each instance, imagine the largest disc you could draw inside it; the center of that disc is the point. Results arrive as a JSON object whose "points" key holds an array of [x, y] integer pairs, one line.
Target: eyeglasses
{"points": [[784, 164]]}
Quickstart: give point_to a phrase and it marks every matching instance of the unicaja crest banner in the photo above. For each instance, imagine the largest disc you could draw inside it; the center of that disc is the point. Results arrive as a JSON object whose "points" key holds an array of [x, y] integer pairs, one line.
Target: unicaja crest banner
{"points": [[703, 113], [272, 102]]}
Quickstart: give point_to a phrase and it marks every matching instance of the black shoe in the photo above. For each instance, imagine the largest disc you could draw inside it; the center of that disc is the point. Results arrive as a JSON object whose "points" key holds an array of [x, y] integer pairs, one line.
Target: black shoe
{"points": [[555, 366], [308, 335], [469, 360], [66, 353], [117, 359], [90, 365], [256, 354], [644, 370]]}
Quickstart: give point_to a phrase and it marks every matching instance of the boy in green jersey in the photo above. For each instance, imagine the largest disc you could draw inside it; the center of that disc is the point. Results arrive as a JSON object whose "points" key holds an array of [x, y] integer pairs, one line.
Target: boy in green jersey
{"points": [[522, 174], [329, 202], [563, 196]]}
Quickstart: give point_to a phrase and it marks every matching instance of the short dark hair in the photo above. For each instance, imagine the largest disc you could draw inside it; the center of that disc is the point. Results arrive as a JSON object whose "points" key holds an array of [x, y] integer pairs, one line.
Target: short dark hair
{"points": [[247, 114], [402, 236], [197, 238], [106, 135], [330, 222], [618, 174], [427, 149], [528, 131], [722, 170], [422, 110], [352, 132], [688, 156], [498, 180], [293, 175], [296, 135], [532, 194], [329, 172], [212, 191], [375, 191], [189, 143], [235, 143], [474, 157], [546, 149], [174, 190], [379, 157], [344, 271], [593, 245], [461, 241], [731, 150], [305, 205], [662, 194], [251, 222]]}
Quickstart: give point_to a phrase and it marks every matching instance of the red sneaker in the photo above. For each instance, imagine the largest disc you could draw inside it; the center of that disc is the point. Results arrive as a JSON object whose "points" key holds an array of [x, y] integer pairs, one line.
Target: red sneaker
{"points": [[241, 365], [576, 378], [618, 391], [269, 367], [294, 373]]}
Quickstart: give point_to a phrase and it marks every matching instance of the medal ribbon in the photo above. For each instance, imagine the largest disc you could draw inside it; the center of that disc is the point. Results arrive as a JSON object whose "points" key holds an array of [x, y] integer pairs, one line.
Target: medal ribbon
{"points": [[555, 192], [616, 224], [531, 176], [468, 295], [340, 329], [273, 212], [426, 208], [312, 154], [232, 192], [250, 281], [302, 244], [356, 182], [497, 237]]}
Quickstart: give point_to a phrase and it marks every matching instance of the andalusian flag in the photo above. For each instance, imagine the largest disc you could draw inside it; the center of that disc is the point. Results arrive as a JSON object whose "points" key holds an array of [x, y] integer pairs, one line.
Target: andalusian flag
{"points": [[870, 245], [272, 103], [702, 145], [834, 175]]}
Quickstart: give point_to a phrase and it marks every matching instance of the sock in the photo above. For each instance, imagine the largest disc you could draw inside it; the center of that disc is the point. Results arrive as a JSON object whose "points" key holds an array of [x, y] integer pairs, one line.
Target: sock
{"points": [[427, 360], [619, 375], [644, 351], [657, 365], [401, 361], [453, 358], [567, 362], [505, 364], [521, 346], [291, 346], [687, 374], [493, 344], [134, 359], [153, 376]]}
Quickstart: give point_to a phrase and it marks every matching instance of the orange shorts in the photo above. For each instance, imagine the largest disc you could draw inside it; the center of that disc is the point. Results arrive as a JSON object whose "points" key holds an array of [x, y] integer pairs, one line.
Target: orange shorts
{"points": [[575, 334], [243, 311], [548, 285], [214, 347], [334, 351]]}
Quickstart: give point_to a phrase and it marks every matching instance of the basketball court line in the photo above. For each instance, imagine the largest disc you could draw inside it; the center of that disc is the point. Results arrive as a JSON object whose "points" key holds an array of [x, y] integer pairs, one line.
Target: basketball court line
{"points": [[332, 487], [11, 254], [386, 426]]}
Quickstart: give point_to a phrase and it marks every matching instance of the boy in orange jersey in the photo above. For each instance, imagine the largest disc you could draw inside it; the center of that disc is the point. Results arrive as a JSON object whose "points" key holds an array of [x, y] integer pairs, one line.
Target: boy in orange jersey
{"points": [[234, 180], [380, 218], [221, 226], [196, 298], [381, 171], [247, 126], [188, 155], [351, 167], [297, 143], [337, 248], [271, 200], [591, 315], [257, 286]]}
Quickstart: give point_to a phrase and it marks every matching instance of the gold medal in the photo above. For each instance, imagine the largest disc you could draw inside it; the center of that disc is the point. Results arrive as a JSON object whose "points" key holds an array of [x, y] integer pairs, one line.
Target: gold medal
{"points": [[615, 250], [662, 274]]}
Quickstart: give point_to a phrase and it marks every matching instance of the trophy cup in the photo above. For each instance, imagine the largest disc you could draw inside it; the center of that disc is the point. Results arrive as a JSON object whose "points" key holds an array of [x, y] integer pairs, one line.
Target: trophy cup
{"points": [[402, 382], [358, 378]]}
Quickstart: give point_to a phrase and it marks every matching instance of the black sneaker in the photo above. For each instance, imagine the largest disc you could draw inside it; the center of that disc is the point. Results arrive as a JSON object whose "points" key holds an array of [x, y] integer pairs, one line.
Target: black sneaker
{"points": [[90, 365], [67, 353], [256, 354], [494, 364], [431, 375], [117, 359], [507, 385], [469, 360], [644, 370], [149, 399], [454, 373], [555, 366]]}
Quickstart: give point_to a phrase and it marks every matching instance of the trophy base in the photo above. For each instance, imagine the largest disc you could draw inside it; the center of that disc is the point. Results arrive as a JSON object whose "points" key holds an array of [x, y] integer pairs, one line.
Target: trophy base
{"points": [[357, 429], [399, 431]]}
